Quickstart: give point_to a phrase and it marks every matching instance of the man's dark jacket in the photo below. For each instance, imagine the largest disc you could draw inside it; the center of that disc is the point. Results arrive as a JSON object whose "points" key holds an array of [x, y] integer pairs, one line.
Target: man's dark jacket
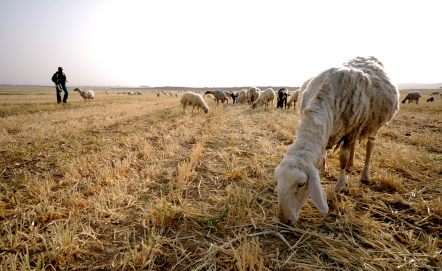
{"points": [[59, 78]]}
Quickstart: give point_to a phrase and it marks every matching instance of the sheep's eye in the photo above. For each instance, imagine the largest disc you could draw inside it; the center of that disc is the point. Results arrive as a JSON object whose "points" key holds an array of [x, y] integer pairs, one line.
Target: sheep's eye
{"points": [[301, 184]]}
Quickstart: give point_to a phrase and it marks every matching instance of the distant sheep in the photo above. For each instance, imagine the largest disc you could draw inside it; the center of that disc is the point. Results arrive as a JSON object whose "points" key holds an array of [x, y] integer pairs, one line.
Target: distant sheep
{"points": [[86, 94], [219, 96], [242, 96], [234, 96], [295, 97], [293, 100], [441, 95], [264, 98], [340, 106], [282, 96], [252, 95], [436, 93], [431, 99], [412, 96], [193, 99]]}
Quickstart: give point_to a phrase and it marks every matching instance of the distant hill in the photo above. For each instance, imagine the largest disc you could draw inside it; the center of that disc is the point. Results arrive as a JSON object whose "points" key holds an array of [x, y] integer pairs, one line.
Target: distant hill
{"points": [[419, 86]]}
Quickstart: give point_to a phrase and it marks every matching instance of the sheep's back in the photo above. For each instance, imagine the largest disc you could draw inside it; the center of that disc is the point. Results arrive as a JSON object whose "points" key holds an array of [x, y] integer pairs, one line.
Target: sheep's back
{"points": [[357, 101], [294, 97], [220, 95], [192, 99], [413, 95], [89, 93]]}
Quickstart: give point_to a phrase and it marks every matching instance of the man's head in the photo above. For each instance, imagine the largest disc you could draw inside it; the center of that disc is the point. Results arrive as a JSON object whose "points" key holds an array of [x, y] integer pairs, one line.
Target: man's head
{"points": [[60, 69]]}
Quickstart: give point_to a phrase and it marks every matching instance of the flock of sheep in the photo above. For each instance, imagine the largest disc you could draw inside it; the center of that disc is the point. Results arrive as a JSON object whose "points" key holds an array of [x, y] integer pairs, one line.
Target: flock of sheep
{"points": [[89, 94], [254, 96], [338, 107], [414, 97]]}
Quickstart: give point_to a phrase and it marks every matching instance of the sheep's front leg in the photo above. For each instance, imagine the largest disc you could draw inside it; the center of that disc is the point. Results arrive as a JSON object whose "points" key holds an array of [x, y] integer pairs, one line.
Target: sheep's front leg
{"points": [[343, 159], [184, 109], [350, 162], [365, 176]]}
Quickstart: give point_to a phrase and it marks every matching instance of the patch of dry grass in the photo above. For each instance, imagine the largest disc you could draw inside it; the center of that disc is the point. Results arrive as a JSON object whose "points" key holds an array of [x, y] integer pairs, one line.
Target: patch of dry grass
{"points": [[128, 182]]}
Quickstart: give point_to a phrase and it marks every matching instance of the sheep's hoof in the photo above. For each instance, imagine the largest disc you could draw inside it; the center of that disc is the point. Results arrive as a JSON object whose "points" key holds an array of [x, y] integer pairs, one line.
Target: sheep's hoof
{"points": [[348, 167], [365, 180], [340, 184]]}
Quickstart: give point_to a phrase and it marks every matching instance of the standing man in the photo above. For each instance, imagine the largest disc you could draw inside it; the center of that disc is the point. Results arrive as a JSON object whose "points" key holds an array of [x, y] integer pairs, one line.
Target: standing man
{"points": [[59, 78]]}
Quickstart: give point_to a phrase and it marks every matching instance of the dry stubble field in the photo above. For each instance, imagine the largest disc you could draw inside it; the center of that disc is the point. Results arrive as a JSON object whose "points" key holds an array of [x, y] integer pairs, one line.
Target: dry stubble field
{"points": [[129, 183]]}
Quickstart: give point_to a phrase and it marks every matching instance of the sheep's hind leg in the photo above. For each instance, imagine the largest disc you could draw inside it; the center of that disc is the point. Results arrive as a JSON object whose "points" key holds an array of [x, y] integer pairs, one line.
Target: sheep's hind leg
{"points": [[350, 162], [343, 159], [365, 176]]}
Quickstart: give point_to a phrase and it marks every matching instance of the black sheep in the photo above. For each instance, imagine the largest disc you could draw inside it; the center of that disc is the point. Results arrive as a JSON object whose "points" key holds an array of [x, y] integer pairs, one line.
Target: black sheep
{"points": [[234, 96], [282, 98]]}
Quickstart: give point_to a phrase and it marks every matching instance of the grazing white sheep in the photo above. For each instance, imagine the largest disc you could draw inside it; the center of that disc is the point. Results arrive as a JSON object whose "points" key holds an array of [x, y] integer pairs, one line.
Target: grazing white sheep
{"points": [[193, 99], [295, 97], [86, 94], [412, 96], [340, 106], [218, 95], [436, 93], [293, 100], [176, 94], [252, 95], [431, 99], [242, 96], [264, 98], [107, 93]]}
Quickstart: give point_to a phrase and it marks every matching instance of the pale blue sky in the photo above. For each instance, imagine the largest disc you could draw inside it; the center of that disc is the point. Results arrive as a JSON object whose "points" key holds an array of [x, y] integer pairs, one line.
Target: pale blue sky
{"points": [[208, 43]]}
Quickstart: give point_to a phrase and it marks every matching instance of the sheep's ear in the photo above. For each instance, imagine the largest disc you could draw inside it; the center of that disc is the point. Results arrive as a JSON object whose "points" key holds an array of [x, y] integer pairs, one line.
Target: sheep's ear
{"points": [[316, 192]]}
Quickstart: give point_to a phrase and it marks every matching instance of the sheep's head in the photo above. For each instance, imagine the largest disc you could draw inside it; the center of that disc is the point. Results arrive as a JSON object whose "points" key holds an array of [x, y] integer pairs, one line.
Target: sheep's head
{"points": [[206, 109], [294, 186], [76, 89], [254, 105]]}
